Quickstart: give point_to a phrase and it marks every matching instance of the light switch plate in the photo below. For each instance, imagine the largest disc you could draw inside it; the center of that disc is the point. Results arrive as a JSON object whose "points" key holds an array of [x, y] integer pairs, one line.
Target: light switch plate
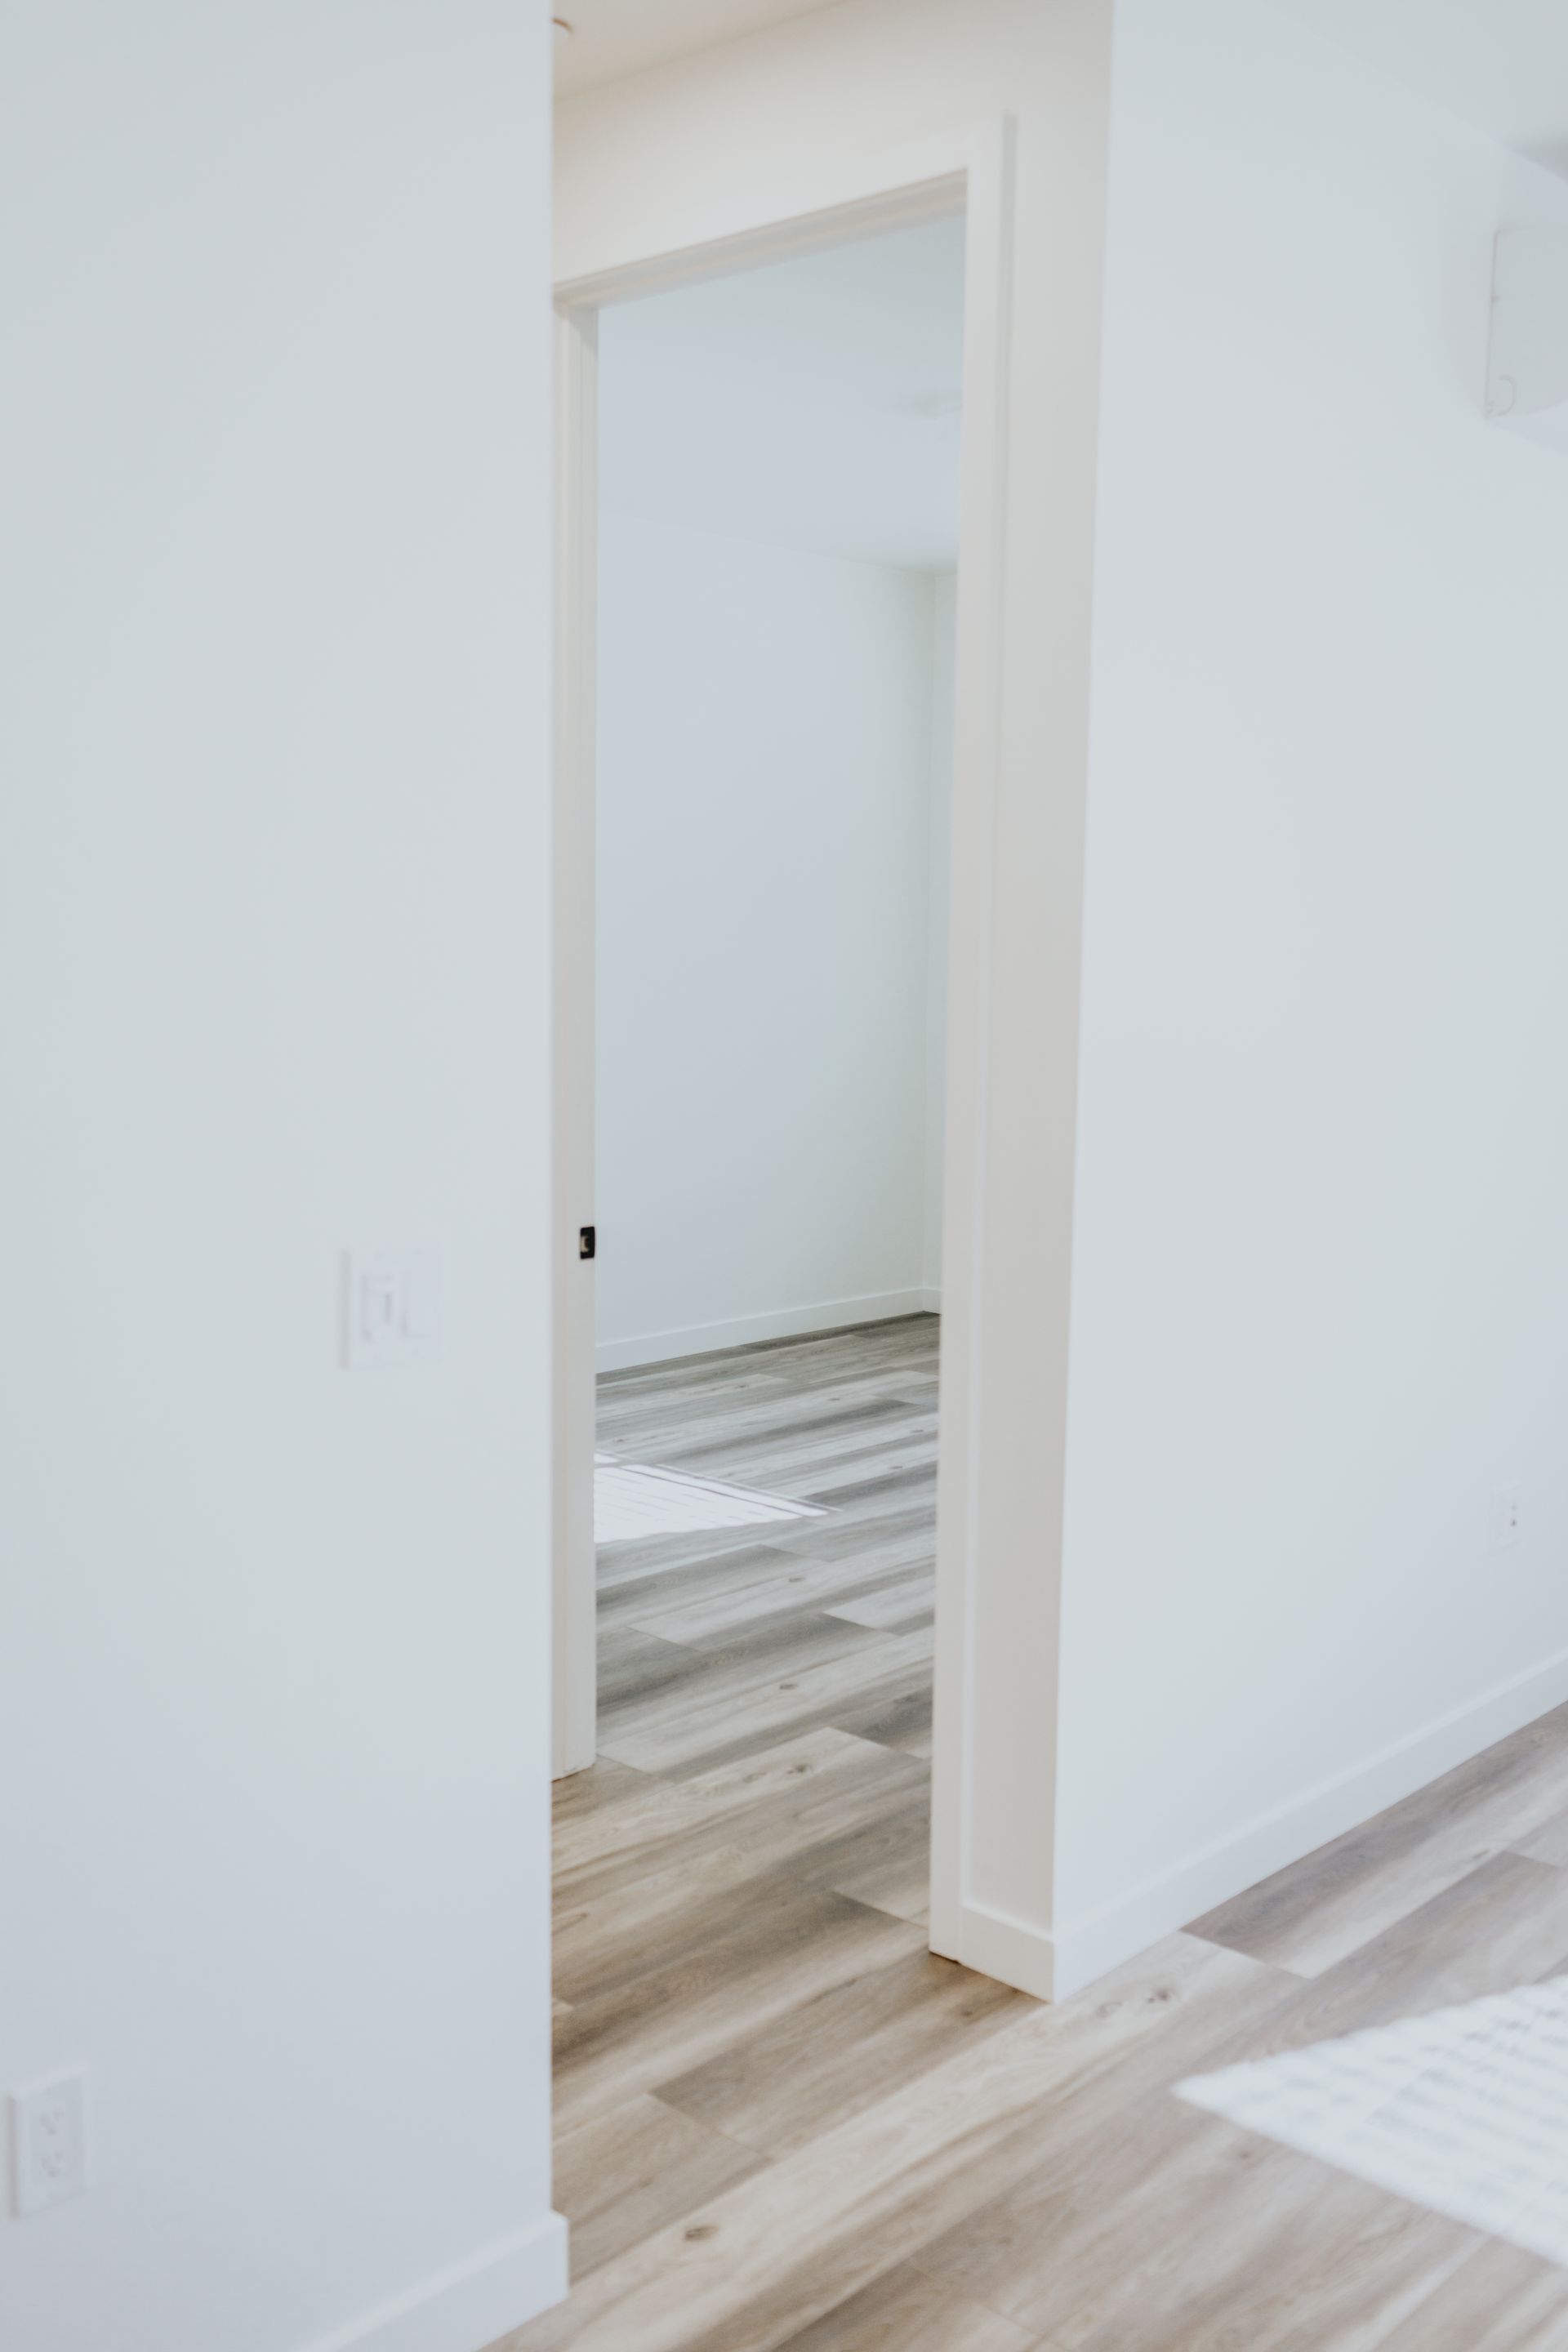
{"points": [[49, 2143], [391, 1308]]}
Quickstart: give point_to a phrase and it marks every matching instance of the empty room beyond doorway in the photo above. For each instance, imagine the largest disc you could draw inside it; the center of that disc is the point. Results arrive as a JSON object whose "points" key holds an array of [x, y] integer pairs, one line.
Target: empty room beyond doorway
{"points": [[775, 550]]}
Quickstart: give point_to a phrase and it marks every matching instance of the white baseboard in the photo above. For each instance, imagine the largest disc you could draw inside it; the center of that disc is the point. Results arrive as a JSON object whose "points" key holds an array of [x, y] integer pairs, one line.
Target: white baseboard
{"points": [[996, 1945], [931, 1301], [781, 1323], [472, 2305], [1051, 1965], [1086, 1949]]}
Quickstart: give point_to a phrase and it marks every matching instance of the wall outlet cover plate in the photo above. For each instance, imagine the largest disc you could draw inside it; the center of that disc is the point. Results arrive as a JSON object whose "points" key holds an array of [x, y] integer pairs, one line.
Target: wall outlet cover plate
{"points": [[49, 2142]]}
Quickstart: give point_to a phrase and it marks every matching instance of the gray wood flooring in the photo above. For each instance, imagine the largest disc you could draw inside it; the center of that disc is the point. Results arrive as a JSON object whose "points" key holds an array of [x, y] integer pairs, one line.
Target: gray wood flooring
{"points": [[784, 2126]]}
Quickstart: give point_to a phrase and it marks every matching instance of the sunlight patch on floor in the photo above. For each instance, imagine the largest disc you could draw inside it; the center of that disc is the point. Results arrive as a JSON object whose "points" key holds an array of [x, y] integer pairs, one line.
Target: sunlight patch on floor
{"points": [[1465, 2112], [633, 1500]]}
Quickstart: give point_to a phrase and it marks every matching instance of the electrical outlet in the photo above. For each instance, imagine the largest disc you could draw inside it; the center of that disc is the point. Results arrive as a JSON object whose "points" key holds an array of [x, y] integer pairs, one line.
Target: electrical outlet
{"points": [[49, 2142], [1507, 1516]]}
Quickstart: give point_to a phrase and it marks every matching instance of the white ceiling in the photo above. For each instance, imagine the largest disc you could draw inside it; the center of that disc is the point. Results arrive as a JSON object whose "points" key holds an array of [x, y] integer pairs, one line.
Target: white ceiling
{"points": [[1501, 65], [813, 403], [611, 37]]}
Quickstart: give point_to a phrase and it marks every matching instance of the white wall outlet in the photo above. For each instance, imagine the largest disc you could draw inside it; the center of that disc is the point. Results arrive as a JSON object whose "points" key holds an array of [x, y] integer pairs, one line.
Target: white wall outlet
{"points": [[1507, 1516], [49, 2142], [391, 1308]]}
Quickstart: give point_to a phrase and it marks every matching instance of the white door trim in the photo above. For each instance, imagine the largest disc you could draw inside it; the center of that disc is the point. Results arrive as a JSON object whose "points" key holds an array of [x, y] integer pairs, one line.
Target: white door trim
{"points": [[820, 200], [574, 1670]]}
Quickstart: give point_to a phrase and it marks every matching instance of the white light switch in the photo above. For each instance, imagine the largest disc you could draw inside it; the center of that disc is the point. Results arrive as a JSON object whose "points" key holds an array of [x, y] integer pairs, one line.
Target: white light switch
{"points": [[391, 1308]]}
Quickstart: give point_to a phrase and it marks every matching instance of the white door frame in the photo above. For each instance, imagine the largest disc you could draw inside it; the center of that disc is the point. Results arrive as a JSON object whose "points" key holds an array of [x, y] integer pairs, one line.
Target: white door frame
{"points": [[830, 200]]}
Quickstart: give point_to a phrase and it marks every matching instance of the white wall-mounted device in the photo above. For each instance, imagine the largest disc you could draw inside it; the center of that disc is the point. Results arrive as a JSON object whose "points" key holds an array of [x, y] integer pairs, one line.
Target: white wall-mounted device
{"points": [[391, 1308], [1527, 368]]}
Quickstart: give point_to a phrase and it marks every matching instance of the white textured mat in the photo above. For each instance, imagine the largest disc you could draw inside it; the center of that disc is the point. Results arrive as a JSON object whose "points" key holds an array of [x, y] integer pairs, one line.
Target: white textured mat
{"points": [[631, 1499], [1465, 2112]]}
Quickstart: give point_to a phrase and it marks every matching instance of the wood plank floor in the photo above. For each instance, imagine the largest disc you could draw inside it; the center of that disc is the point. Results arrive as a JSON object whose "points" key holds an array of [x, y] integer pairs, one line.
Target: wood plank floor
{"points": [[784, 2126]]}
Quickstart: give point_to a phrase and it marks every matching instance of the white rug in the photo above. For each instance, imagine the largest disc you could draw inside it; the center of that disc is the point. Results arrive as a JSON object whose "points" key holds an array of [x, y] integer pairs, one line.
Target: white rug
{"points": [[632, 1500], [1465, 2112]]}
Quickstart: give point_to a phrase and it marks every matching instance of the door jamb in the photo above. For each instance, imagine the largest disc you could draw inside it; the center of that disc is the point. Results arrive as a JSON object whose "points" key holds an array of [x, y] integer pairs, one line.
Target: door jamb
{"points": [[574, 1612]]}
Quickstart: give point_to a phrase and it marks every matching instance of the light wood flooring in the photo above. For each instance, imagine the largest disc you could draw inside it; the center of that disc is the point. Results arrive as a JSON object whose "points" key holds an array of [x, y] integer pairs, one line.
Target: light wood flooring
{"points": [[784, 2126]]}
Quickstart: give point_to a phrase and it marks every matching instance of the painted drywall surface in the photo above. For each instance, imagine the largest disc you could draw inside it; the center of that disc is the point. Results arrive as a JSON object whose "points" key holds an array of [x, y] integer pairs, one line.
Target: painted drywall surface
{"points": [[944, 619], [708, 147], [1321, 1266], [1502, 65], [764, 788], [810, 402], [272, 957]]}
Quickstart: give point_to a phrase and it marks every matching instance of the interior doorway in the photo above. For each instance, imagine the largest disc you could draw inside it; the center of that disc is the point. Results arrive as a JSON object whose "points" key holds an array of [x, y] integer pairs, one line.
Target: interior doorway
{"points": [[778, 521], [973, 191]]}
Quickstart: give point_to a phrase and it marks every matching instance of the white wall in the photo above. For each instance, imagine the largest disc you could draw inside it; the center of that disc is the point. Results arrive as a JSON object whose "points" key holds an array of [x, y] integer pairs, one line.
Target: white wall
{"points": [[811, 402], [765, 775], [1322, 1264], [273, 965]]}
